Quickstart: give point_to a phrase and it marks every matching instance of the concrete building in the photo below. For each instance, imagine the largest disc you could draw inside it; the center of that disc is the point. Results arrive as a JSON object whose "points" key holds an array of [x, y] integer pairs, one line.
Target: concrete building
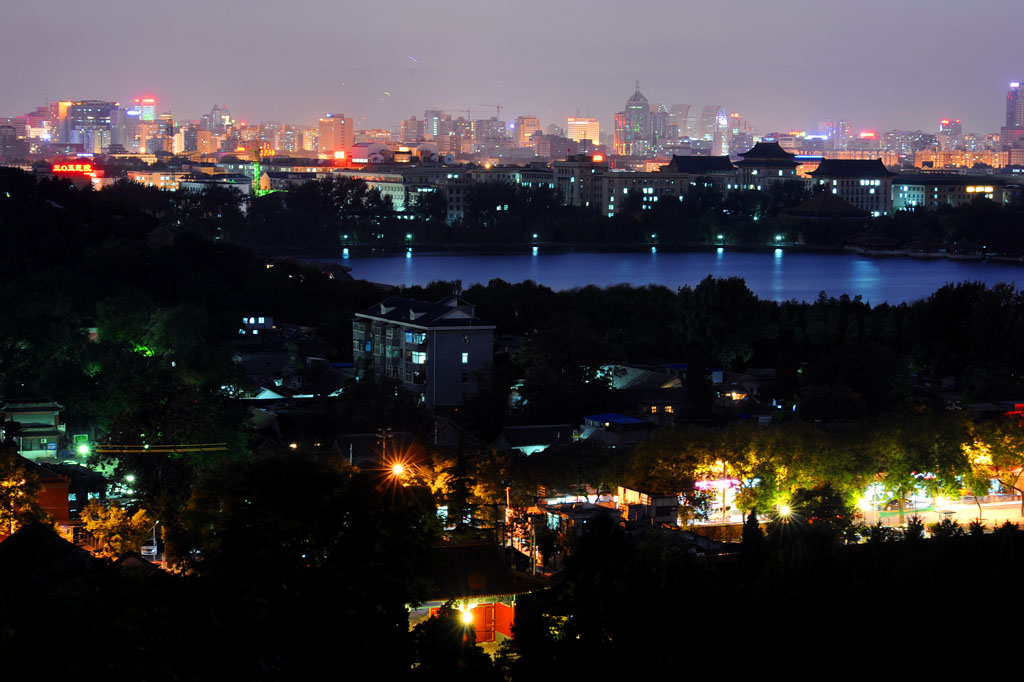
{"points": [[431, 349], [582, 128], [864, 184], [764, 165], [336, 134], [932, 190]]}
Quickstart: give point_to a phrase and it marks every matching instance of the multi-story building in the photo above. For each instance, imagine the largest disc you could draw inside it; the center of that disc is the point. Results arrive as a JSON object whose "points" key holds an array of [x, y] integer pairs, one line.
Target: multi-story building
{"points": [[583, 128], [765, 164], [431, 349], [865, 184], [525, 127], [337, 134], [577, 180], [633, 134], [933, 190]]}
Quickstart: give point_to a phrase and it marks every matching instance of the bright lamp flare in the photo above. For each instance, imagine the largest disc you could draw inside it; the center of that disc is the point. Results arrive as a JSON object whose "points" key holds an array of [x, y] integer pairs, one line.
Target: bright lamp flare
{"points": [[785, 510], [397, 469], [467, 617]]}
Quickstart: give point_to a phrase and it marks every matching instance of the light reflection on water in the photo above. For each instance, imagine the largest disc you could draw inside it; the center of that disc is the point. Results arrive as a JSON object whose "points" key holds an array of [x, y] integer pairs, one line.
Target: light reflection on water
{"points": [[779, 276]]}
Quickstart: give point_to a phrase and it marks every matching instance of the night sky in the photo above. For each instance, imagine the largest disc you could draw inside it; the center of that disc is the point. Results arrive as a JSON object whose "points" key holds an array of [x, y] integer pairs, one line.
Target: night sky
{"points": [[781, 64]]}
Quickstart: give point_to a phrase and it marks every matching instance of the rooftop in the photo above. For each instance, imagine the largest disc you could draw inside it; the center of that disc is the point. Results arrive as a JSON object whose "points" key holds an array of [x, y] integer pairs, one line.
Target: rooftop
{"points": [[699, 164], [450, 311], [851, 168]]}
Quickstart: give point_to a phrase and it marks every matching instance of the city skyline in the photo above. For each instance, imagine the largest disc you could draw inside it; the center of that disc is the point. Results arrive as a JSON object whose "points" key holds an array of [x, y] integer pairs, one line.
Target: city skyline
{"points": [[881, 66]]}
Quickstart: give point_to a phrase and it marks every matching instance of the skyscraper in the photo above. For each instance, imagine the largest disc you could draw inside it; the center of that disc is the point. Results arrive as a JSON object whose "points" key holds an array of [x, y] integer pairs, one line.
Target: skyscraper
{"points": [[337, 134], [633, 126], [147, 108], [1014, 106], [526, 126], [579, 129]]}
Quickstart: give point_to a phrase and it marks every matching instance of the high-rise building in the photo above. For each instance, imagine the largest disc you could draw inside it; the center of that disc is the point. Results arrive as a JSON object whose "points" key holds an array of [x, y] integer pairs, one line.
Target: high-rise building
{"points": [[147, 108], [218, 120], [680, 120], [633, 134], [412, 130], [1014, 106], [580, 128], [337, 134], [432, 124], [525, 127]]}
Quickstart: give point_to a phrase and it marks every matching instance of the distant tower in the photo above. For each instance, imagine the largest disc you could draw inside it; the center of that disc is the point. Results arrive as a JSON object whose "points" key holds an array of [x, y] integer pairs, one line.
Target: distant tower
{"points": [[337, 134], [633, 126], [1014, 106]]}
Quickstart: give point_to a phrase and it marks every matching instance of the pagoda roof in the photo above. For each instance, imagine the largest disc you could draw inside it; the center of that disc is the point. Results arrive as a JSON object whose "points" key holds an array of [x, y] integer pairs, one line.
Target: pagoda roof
{"points": [[767, 152], [474, 570], [851, 168], [696, 165]]}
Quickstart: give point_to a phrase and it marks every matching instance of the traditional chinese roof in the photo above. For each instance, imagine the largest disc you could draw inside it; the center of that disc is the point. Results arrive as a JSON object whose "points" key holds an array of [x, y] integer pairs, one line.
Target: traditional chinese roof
{"points": [[699, 165], [474, 570], [30, 405], [767, 153], [851, 168]]}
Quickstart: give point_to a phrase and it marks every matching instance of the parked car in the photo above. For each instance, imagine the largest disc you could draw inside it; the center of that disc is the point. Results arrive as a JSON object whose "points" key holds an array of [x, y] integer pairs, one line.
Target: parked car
{"points": [[894, 505], [149, 549]]}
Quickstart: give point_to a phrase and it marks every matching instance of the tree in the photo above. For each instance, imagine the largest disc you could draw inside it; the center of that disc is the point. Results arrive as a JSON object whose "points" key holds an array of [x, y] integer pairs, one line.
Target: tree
{"points": [[446, 648], [117, 529], [19, 491]]}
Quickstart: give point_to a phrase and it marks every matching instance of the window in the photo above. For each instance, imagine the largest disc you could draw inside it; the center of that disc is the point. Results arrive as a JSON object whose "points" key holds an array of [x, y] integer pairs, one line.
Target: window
{"points": [[668, 409], [419, 358], [465, 338], [465, 377], [465, 358]]}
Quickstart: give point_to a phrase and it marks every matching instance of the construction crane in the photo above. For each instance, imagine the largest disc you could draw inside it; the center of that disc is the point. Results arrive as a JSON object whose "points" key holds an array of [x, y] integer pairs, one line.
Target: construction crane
{"points": [[497, 108]]}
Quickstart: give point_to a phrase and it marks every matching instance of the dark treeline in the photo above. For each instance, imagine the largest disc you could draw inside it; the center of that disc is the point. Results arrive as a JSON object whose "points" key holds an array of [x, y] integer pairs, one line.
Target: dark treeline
{"points": [[838, 358], [324, 214]]}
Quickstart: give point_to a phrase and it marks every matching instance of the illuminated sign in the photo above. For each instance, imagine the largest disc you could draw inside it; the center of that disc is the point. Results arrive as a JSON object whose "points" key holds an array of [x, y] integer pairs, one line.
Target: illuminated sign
{"points": [[339, 155], [80, 168], [1015, 84], [598, 158], [868, 135], [944, 122]]}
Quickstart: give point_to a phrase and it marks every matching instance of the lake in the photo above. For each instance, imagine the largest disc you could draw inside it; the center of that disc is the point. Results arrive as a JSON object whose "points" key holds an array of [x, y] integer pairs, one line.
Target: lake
{"points": [[779, 276]]}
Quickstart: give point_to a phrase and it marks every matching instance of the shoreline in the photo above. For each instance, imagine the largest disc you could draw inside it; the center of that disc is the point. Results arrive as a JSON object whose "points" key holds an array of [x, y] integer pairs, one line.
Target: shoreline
{"points": [[366, 250]]}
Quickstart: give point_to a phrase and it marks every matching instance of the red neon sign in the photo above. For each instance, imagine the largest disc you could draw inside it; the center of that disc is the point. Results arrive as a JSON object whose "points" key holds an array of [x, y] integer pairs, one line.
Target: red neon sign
{"points": [[72, 168]]}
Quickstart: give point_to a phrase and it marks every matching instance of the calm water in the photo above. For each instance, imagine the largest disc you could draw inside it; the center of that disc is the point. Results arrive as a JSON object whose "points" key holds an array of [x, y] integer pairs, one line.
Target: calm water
{"points": [[778, 276]]}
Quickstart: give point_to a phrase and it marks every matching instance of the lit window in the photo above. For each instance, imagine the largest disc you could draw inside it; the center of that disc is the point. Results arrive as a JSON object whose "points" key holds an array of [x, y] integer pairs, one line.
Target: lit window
{"points": [[465, 358], [419, 357]]}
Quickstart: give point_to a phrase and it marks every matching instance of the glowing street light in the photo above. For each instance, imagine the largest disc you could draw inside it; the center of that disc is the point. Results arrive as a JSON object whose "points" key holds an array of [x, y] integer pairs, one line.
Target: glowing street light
{"points": [[397, 469], [467, 617], [784, 510], [82, 449]]}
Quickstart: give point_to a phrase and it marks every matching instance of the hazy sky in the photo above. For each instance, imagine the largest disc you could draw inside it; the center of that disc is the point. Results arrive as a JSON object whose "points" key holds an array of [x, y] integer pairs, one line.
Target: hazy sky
{"points": [[781, 63]]}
